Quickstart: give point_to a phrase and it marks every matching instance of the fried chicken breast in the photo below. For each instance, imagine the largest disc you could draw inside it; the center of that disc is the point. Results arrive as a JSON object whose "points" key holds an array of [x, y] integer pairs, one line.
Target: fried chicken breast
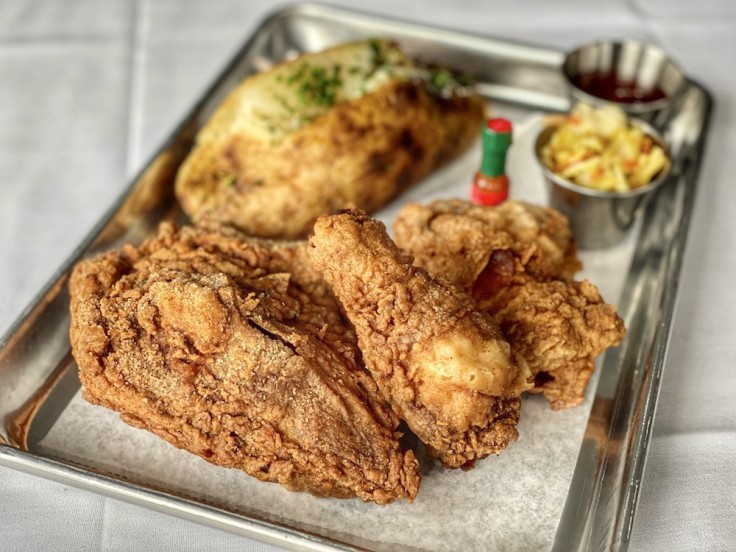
{"points": [[518, 260], [235, 350], [441, 363]]}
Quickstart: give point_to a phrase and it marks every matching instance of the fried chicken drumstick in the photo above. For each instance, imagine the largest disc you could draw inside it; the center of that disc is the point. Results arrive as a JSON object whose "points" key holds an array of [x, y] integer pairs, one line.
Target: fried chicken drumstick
{"points": [[441, 363], [235, 350], [518, 261]]}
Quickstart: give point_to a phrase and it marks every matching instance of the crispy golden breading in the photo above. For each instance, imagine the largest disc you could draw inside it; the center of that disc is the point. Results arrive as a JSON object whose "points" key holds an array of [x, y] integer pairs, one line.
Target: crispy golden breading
{"points": [[517, 260], [559, 328], [440, 362], [353, 125], [567, 387], [454, 239], [235, 350]]}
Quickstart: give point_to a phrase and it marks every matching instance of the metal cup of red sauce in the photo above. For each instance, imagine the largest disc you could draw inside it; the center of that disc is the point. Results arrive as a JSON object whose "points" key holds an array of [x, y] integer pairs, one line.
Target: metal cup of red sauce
{"points": [[640, 78]]}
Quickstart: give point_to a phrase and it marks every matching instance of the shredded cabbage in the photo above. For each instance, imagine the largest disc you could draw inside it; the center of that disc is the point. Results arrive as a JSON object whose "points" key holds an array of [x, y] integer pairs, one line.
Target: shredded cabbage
{"points": [[599, 149]]}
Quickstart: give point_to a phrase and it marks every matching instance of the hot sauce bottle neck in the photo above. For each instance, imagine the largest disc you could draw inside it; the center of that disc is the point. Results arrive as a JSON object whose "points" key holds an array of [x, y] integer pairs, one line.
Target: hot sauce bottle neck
{"points": [[496, 142]]}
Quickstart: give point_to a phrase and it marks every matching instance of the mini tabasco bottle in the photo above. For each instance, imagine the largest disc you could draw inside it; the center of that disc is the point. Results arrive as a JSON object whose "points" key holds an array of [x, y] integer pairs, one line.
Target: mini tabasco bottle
{"points": [[491, 185]]}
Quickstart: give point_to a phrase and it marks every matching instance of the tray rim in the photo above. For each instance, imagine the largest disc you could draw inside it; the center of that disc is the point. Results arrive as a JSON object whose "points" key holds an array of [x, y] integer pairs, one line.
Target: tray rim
{"points": [[642, 412], [169, 502]]}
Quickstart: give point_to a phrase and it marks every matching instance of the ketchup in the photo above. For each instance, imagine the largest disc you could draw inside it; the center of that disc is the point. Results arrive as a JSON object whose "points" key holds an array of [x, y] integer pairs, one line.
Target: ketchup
{"points": [[608, 86]]}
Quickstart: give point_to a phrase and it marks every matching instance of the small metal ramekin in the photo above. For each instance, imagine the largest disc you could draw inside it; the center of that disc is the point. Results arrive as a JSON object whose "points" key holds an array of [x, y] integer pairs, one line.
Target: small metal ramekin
{"points": [[598, 219], [638, 63]]}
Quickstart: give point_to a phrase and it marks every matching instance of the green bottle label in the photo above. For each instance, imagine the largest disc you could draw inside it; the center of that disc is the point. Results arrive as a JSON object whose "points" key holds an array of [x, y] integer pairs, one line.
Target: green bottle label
{"points": [[495, 146]]}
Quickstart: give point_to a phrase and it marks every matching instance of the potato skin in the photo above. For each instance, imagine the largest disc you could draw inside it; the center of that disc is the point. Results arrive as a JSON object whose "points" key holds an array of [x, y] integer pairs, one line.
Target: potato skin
{"points": [[360, 153]]}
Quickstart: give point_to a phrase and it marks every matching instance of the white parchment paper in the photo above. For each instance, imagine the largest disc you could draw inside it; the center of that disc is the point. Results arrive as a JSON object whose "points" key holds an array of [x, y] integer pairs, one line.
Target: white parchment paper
{"points": [[509, 502]]}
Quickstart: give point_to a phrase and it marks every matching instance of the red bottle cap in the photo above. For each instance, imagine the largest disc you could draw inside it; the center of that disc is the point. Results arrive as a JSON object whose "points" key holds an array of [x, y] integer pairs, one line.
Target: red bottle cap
{"points": [[499, 125]]}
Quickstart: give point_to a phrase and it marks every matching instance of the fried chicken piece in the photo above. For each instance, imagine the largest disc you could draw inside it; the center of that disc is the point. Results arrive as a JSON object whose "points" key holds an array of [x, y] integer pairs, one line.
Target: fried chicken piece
{"points": [[440, 362], [235, 350], [455, 239], [517, 260], [559, 328]]}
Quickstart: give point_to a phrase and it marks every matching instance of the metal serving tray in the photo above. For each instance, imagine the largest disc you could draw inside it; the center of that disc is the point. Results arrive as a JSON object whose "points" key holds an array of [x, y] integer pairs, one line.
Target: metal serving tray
{"points": [[38, 375]]}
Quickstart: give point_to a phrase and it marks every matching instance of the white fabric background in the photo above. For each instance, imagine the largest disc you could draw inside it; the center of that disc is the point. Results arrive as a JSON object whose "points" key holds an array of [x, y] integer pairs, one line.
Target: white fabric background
{"points": [[89, 89]]}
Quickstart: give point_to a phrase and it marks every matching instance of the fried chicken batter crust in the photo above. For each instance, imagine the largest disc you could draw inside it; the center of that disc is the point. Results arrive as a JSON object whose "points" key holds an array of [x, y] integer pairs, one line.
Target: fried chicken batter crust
{"points": [[518, 261], [424, 342], [559, 328], [235, 350], [454, 239]]}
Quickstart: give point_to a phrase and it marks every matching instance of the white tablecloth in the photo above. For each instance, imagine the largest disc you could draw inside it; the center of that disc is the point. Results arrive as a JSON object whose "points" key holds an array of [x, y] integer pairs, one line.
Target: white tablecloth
{"points": [[89, 89]]}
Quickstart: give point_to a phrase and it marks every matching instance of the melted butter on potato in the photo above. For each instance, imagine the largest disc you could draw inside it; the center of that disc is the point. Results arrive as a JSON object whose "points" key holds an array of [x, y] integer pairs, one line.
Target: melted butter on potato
{"points": [[278, 102]]}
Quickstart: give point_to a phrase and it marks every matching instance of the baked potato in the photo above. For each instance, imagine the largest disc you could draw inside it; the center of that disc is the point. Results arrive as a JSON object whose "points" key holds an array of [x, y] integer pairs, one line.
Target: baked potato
{"points": [[351, 126]]}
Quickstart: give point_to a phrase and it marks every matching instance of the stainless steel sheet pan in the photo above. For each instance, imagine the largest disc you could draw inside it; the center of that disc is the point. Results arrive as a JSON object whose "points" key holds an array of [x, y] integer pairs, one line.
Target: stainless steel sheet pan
{"points": [[38, 375]]}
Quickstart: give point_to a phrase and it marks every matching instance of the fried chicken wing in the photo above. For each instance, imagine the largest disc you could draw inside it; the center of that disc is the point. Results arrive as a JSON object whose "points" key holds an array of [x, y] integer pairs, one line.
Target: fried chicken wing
{"points": [[441, 363], [559, 328], [235, 350], [518, 260]]}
